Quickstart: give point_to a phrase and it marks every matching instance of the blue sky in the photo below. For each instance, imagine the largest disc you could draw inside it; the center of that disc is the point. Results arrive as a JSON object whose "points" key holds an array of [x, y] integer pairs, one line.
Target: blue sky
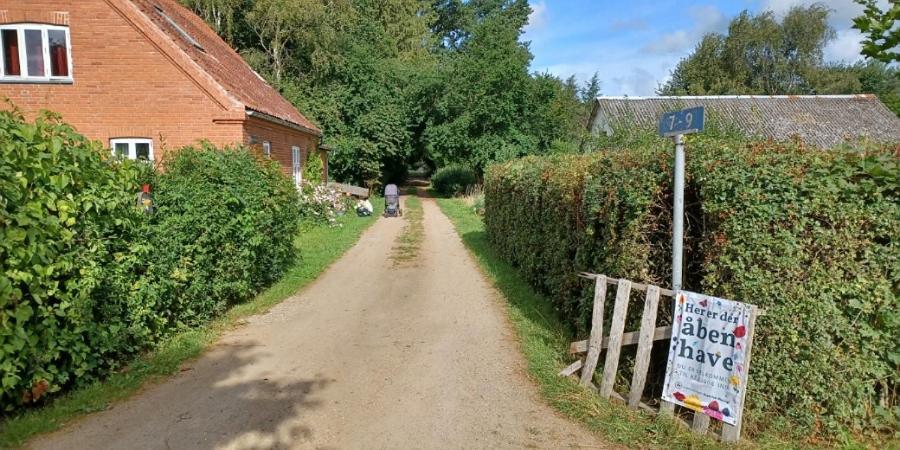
{"points": [[634, 44]]}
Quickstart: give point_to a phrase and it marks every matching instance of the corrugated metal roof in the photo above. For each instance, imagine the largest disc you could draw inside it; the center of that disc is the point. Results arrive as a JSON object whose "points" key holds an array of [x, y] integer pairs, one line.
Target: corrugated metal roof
{"points": [[821, 120]]}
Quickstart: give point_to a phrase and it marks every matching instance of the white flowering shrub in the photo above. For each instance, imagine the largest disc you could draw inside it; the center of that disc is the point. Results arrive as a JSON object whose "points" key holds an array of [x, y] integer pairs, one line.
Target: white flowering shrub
{"points": [[322, 204]]}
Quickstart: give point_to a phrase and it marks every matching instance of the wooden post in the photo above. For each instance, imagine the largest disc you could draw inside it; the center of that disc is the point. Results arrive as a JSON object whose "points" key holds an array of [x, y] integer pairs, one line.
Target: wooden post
{"points": [[616, 329], [667, 409], [571, 369], [590, 362], [645, 345], [700, 423], [732, 433]]}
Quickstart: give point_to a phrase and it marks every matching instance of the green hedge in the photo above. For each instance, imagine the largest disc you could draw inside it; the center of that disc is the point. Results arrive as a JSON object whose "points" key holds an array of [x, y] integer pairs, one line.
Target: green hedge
{"points": [[87, 279], [66, 217], [453, 179], [223, 229], [806, 234]]}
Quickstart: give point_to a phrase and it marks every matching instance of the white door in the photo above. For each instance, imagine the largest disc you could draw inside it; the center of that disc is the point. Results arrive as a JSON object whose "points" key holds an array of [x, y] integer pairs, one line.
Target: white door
{"points": [[296, 165]]}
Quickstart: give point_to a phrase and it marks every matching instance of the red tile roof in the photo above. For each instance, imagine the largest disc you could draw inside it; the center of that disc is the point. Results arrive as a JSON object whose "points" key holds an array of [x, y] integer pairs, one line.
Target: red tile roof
{"points": [[219, 60]]}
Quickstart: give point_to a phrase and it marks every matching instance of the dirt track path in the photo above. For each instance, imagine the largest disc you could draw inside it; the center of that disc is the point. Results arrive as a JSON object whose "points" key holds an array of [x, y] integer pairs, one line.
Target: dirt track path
{"points": [[369, 356]]}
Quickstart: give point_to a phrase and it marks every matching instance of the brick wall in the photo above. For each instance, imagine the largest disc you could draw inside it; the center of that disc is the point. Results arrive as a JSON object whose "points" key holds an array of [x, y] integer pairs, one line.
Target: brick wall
{"points": [[282, 139], [124, 85]]}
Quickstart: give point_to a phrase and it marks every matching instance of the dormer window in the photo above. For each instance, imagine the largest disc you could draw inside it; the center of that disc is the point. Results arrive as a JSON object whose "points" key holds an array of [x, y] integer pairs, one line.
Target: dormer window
{"points": [[35, 53]]}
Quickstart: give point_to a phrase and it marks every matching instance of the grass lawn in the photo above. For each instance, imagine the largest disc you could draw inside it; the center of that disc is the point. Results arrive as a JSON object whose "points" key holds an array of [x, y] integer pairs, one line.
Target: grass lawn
{"points": [[319, 247], [544, 340]]}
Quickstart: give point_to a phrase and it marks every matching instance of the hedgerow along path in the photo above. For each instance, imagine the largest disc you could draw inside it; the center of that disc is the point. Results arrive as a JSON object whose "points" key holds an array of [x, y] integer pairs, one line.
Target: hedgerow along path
{"points": [[371, 355]]}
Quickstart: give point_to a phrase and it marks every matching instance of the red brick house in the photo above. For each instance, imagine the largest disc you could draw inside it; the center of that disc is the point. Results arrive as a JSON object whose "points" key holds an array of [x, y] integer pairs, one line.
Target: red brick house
{"points": [[144, 77]]}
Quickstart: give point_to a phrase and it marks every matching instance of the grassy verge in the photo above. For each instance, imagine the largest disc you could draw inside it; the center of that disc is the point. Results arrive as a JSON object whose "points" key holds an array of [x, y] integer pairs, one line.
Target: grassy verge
{"points": [[406, 248], [319, 246], [544, 341]]}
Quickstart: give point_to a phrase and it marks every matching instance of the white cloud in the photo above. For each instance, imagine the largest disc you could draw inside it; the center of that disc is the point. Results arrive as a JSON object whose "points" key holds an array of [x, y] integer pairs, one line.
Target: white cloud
{"points": [[638, 82], [845, 47], [622, 70], [670, 43], [781, 7], [538, 17], [706, 19]]}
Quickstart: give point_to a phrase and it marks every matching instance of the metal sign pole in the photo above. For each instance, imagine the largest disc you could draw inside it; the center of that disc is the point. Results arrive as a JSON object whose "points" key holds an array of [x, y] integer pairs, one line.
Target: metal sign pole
{"points": [[676, 124], [678, 213]]}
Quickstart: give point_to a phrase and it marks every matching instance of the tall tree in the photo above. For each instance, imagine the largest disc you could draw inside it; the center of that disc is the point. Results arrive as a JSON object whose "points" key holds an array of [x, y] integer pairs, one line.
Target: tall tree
{"points": [[591, 89], [396, 82], [221, 15], [882, 30], [480, 116], [450, 23], [297, 37], [759, 55], [869, 77]]}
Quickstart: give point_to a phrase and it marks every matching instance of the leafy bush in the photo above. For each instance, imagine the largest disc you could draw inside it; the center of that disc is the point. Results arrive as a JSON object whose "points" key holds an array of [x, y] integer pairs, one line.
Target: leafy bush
{"points": [[314, 169], [453, 179], [67, 218], [223, 229], [806, 234], [87, 279]]}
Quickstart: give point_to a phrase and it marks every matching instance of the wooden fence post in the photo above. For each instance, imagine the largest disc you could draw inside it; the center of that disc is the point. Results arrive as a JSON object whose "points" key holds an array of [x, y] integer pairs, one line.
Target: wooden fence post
{"points": [[616, 329], [593, 354], [645, 344], [700, 423]]}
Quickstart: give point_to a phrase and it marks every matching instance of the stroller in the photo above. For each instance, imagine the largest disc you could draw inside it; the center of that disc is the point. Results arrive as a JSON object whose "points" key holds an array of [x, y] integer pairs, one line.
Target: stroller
{"points": [[392, 201]]}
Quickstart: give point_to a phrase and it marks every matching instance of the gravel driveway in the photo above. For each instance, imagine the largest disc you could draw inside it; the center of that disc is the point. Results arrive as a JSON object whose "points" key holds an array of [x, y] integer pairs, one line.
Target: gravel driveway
{"points": [[369, 356]]}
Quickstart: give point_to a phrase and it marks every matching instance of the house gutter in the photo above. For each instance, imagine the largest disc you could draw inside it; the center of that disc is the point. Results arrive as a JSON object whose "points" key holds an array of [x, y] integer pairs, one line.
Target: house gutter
{"points": [[282, 122]]}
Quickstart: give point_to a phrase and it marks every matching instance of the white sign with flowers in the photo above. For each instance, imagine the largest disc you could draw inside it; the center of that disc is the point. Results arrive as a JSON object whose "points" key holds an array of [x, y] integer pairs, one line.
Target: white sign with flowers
{"points": [[709, 355]]}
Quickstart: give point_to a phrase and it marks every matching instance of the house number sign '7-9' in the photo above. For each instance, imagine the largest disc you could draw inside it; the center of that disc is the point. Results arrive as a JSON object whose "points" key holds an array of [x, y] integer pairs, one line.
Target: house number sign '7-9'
{"points": [[686, 121]]}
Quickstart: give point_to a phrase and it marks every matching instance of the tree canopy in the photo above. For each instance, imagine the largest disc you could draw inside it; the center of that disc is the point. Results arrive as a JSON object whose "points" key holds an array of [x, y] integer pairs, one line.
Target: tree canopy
{"points": [[761, 54], [398, 82], [758, 55]]}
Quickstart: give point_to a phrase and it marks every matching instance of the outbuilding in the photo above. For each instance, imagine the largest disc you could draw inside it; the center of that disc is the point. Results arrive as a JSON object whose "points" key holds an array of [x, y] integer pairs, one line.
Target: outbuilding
{"points": [[821, 120]]}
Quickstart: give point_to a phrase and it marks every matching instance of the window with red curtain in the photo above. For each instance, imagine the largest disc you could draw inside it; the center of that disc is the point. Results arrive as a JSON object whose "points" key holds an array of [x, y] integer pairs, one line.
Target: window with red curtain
{"points": [[10, 43], [35, 53], [59, 54]]}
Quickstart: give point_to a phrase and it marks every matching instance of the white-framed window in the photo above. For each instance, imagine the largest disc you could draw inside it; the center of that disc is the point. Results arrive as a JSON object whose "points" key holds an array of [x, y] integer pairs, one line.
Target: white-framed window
{"points": [[35, 52], [132, 148], [297, 165], [267, 149]]}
